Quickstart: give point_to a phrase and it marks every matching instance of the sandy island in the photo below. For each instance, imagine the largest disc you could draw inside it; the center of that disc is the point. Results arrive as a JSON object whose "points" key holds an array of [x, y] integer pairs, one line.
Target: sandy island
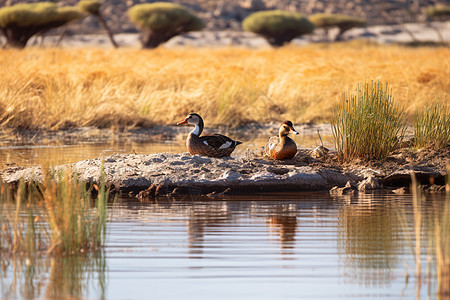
{"points": [[169, 174]]}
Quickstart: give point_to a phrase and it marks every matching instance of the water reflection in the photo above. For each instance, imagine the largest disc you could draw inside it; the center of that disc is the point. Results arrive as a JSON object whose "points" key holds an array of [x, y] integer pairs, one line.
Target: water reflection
{"points": [[53, 278], [294, 243], [369, 240], [204, 219]]}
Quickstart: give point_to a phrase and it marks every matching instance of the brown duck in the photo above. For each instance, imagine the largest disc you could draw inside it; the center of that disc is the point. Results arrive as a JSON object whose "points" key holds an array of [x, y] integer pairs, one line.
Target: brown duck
{"points": [[213, 145], [282, 146]]}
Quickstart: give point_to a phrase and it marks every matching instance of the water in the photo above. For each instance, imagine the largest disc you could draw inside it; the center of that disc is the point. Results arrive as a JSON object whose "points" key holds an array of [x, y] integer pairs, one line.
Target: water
{"points": [[59, 150], [262, 246]]}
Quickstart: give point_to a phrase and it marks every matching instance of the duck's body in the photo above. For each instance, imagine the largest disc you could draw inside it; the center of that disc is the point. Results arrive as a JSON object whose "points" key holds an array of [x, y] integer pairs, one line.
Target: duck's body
{"points": [[212, 145], [282, 146]]}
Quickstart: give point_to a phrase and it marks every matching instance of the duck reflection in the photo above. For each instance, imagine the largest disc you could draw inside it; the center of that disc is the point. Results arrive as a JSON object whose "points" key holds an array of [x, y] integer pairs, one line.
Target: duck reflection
{"points": [[215, 217], [204, 217], [286, 226]]}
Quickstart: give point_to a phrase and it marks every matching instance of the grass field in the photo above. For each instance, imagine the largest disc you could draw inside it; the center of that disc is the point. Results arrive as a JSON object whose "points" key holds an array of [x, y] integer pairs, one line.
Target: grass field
{"points": [[56, 88]]}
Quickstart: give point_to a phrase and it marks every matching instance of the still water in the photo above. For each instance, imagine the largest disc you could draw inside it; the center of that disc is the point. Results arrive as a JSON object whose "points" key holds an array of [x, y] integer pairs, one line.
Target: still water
{"points": [[261, 246], [61, 151]]}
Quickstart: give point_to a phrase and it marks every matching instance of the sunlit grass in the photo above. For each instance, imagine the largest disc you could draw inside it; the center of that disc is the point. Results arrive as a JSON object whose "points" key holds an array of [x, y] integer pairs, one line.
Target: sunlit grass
{"points": [[367, 124], [55, 88], [432, 126], [63, 220]]}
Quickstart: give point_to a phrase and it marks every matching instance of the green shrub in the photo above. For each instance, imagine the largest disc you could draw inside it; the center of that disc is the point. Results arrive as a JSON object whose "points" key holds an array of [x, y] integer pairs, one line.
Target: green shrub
{"points": [[438, 11], [342, 22], [92, 7], [277, 26], [432, 126], [367, 124], [20, 22], [161, 21]]}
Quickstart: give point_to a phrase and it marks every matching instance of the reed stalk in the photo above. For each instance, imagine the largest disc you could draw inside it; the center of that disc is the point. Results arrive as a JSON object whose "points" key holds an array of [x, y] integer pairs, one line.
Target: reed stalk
{"points": [[367, 124], [442, 244], [66, 223], [440, 235], [432, 126]]}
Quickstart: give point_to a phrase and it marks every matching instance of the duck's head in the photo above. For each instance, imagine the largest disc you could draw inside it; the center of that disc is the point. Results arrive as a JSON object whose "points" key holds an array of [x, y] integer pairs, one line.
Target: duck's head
{"points": [[195, 120], [286, 128], [192, 118]]}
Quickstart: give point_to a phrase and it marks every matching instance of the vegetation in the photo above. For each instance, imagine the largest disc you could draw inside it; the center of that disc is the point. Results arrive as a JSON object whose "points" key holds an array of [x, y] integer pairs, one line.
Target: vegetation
{"points": [[432, 126], [438, 11], [66, 224], [93, 7], [61, 88], [367, 124], [342, 22], [278, 27], [161, 21], [440, 235], [18, 23]]}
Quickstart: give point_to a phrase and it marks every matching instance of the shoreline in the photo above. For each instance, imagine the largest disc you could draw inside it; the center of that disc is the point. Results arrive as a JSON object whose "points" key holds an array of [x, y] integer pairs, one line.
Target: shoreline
{"points": [[161, 174]]}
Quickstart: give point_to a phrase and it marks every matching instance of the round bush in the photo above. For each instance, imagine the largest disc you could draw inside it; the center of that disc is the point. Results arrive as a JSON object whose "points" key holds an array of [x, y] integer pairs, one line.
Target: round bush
{"points": [[90, 6], [160, 21], [277, 26], [37, 14], [21, 21], [343, 22], [438, 11], [335, 20]]}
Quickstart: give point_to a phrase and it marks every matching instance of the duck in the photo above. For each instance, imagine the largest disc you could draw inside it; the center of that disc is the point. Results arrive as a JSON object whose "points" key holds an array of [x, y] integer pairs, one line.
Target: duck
{"points": [[282, 146], [212, 145]]}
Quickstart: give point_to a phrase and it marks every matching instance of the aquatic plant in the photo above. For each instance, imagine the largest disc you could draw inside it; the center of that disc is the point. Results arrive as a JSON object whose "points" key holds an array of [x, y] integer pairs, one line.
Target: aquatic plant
{"points": [[63, 221], [432, 126], [277, 26], [439, 225], [367, 124], [161, 21], [442, 243]]}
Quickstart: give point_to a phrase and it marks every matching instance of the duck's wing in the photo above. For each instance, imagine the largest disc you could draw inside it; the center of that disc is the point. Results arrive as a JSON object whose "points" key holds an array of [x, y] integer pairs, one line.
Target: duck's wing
{"points": [[219, 141], [271, 144]]}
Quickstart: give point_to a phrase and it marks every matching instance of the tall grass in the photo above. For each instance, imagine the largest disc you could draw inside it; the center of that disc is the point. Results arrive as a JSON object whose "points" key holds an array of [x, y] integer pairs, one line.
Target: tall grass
{"points": [[367, 124], [442, 243], [63, 221], [56, 88], [432, 126], [440, 235]]}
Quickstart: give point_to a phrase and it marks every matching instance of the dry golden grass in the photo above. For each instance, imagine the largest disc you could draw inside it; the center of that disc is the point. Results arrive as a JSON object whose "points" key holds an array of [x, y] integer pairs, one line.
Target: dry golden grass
{"points": [[55, 88]]}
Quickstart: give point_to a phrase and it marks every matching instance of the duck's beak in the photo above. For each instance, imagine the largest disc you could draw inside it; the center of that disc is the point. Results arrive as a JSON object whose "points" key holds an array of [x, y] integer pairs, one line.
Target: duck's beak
{"points": [[294, 131], [182, 122]]}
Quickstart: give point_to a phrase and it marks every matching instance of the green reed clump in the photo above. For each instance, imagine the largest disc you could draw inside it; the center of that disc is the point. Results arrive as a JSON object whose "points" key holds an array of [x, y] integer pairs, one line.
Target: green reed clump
{"points": [[63, 222], [367, 124], [432, 126]]}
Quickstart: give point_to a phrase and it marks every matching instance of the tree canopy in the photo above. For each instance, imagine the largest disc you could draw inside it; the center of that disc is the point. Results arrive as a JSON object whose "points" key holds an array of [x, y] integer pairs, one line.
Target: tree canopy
{"points": [[21, 21], [278, 26]]}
